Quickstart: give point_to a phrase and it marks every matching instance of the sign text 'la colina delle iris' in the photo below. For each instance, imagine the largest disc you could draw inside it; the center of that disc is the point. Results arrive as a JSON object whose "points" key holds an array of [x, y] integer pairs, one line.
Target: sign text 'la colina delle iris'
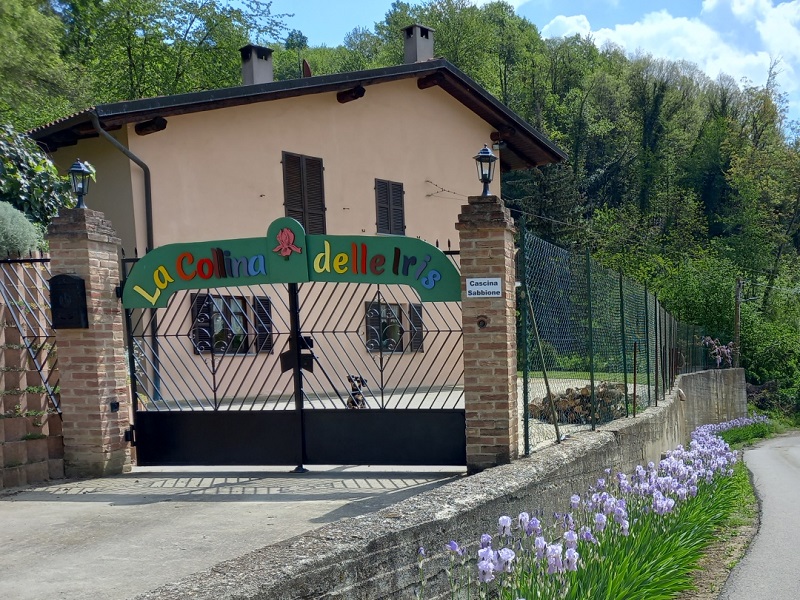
{"points": [[288, 255]]}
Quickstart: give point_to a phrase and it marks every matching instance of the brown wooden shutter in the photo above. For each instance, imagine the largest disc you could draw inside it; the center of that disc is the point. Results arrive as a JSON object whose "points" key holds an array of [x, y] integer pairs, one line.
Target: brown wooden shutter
{"points": [[417, 331], [398, 218], [314, 195], [304, 191], [382, 206], [389, 208], [262, 309], [202, 327], [293, 186]]}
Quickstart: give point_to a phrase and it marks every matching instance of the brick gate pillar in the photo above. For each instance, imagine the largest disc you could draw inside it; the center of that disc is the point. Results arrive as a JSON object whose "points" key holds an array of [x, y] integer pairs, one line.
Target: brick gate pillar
{"points": [[486, 234], [91, 362]]}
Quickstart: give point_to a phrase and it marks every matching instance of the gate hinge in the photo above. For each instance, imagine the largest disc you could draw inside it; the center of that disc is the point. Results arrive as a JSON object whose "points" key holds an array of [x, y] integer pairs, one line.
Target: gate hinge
{"points": [[129, 435], [119, 288]]}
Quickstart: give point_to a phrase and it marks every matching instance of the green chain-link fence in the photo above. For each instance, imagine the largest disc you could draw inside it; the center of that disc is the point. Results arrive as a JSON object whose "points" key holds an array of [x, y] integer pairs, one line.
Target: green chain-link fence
{"points": [[593, 345]]}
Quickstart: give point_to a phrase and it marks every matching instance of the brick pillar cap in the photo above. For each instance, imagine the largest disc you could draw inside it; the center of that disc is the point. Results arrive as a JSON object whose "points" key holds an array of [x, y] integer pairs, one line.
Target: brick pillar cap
{"points": [[83, 223], [485, 212]]}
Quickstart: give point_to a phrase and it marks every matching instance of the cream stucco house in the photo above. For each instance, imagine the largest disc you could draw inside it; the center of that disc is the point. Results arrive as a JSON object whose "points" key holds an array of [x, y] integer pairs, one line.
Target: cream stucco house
{"points": [[227, 162], [379, 152]]}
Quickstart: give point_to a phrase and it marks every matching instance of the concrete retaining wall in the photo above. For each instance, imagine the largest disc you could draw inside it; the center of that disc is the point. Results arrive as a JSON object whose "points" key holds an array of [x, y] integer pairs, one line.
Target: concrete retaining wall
{"points": [[375, 556]]}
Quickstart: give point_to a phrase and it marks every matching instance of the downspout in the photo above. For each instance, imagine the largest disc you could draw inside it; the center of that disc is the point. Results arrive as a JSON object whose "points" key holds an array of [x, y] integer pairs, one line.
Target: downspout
{"points": [[148, 215], [148, 191]]}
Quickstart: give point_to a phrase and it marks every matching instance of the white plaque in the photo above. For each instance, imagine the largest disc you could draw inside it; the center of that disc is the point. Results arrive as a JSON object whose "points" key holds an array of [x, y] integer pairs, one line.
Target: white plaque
{"points": [[484, 287]]}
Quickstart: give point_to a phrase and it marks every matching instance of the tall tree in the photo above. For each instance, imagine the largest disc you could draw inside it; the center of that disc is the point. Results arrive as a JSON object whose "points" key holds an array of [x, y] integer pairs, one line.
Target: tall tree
{"points": [[144, 48], [38, 85]]}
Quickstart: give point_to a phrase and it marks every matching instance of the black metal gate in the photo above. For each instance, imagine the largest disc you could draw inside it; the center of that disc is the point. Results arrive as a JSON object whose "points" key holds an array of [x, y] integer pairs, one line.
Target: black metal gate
{"points": [[27, 339], [288, 374]]}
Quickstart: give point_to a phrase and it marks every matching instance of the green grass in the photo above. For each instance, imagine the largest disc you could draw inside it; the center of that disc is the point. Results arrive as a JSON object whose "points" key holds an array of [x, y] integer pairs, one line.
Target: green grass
{"points": [[745, 435]]}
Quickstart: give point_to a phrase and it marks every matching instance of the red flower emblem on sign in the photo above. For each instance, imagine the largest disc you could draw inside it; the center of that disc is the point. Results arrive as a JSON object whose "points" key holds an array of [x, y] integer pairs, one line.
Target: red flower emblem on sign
{"points": [[286, 245]]}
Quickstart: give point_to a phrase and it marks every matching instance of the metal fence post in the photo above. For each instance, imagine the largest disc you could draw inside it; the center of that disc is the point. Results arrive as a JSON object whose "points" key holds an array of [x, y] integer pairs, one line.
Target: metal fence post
{"points": [[647, 342], [624, 347], [635, 352], [591, 336], [657, 357], [526, 367]]}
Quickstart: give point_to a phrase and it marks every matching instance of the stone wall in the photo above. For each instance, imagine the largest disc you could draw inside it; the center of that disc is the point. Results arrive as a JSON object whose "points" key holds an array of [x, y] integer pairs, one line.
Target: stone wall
{"points": [[375, 556]]}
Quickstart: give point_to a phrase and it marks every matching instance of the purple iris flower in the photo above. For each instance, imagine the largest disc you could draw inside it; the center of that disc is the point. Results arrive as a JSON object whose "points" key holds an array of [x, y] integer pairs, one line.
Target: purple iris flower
{"points": [[504, 526], [555, 562], [504, 558], [453, 546], [599, 522], [485, 571], [570, 539], [586, 535], [540, 546], [571, 559]]}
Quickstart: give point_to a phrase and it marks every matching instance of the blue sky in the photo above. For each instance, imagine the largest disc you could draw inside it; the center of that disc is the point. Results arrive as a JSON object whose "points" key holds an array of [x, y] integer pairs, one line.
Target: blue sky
{"points": [[737, 37]]}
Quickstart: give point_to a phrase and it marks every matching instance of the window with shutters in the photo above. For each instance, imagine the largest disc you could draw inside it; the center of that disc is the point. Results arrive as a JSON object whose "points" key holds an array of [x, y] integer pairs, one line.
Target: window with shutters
{"points": [[390, 328], [231, 324], [304, 191], [389, 208]]}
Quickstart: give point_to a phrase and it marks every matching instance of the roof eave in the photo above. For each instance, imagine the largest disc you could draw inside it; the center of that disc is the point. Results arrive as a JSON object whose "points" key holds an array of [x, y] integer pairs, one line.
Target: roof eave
{"points": [[532, 148]]}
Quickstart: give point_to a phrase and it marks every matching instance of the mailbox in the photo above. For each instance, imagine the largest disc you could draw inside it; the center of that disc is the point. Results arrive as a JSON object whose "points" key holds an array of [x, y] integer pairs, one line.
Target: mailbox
{"points": [[68, 302]]}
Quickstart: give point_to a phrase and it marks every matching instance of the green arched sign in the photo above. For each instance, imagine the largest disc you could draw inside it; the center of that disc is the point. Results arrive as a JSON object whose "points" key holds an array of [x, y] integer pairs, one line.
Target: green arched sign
{"points": [[288, 255]]}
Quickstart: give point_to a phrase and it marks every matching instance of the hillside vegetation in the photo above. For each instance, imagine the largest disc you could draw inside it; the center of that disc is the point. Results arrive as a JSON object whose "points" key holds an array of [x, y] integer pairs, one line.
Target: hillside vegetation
{"points": [[676, 179]]}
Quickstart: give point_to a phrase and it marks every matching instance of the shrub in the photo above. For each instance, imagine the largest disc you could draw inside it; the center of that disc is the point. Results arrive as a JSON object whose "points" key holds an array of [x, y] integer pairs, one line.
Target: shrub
{"points": [[17, 234], [29, 181], [770, 352]]}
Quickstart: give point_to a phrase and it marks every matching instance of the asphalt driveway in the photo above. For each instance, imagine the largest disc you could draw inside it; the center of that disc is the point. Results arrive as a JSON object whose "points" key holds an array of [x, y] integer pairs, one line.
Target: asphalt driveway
{"points": [[121, 536]]}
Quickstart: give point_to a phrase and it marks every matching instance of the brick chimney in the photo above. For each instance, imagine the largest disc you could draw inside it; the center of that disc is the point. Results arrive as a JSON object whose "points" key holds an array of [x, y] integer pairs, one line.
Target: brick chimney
{"points": [[256, 64], [419, 43]]}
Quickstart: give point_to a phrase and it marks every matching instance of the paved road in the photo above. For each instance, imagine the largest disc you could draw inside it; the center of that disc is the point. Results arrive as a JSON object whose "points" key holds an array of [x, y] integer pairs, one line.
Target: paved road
{"points": [[770, 570], [117, 537]]}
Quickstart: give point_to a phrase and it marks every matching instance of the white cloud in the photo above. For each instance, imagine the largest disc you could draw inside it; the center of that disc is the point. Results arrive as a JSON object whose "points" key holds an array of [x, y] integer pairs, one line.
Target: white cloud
{"points": [[563, 26], [680, 38], [778, 28], [766, 32], [749, 9]]}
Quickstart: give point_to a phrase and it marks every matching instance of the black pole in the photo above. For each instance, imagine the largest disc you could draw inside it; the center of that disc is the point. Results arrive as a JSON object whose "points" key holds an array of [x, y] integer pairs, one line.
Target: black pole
{"points": [[656, 358], [591, 336], [294, 348], [622, 333], [647, 342], [526, 367]]}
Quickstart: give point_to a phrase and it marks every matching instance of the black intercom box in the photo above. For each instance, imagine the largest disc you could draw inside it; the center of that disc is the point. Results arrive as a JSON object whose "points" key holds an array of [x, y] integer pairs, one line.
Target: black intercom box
{"points": [[68, 302]]}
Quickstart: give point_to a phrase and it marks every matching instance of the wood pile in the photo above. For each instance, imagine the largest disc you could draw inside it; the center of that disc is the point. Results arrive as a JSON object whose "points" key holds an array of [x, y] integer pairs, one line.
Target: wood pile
{"points": [[574, 405]]}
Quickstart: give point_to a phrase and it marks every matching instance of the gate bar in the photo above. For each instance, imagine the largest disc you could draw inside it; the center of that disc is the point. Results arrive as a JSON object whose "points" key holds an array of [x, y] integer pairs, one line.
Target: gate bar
{"points": [[294, 348]]}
